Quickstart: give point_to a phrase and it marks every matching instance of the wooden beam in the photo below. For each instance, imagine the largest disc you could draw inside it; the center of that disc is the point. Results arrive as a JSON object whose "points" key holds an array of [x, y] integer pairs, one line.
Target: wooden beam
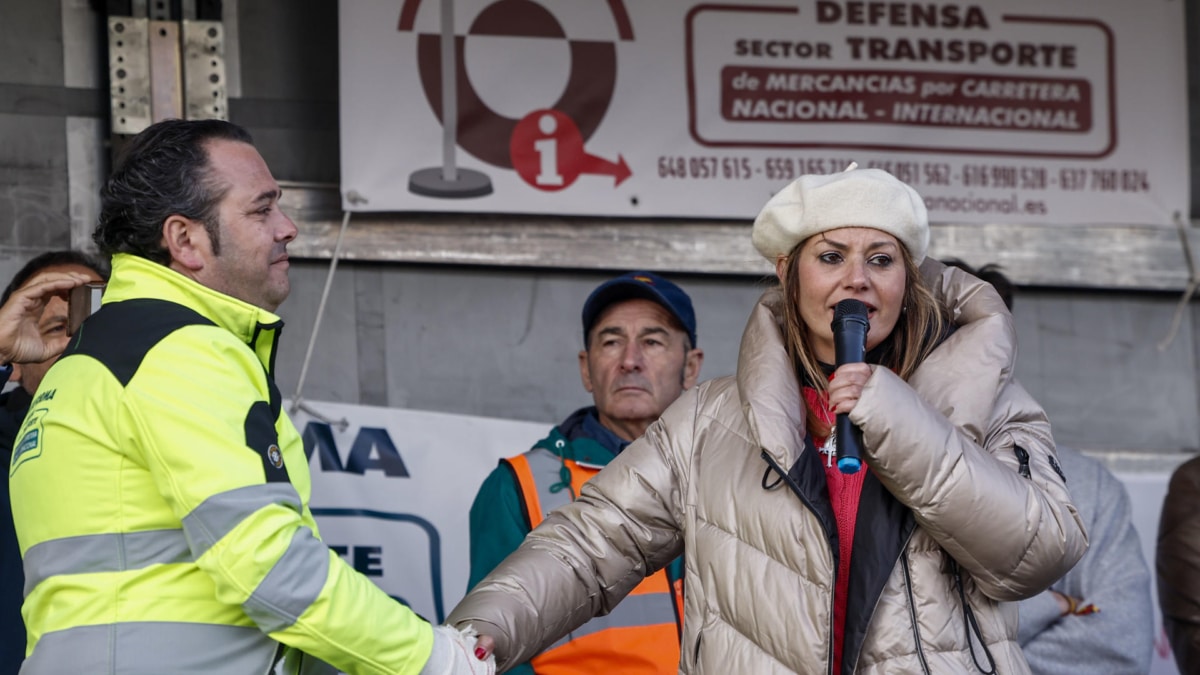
{"points": [[1140, 257]]}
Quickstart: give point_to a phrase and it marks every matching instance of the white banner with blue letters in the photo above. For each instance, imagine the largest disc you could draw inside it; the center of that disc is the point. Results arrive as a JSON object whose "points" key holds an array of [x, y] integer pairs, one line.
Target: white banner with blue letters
{"points": [[392, 490]]}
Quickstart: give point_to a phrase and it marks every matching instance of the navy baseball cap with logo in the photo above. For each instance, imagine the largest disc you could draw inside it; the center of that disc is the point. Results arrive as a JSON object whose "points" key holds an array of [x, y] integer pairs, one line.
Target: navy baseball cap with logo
{"points": [[646, 286]]}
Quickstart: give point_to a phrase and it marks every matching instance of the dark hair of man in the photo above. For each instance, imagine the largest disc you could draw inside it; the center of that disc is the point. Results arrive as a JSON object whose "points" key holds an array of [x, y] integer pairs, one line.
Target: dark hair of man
{"points": [[162, 172], [52, 259]]}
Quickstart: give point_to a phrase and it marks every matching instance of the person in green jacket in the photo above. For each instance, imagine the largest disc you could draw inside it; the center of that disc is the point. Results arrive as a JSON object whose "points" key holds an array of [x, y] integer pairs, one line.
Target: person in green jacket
{"points": [[639, 355], [160, 493]]}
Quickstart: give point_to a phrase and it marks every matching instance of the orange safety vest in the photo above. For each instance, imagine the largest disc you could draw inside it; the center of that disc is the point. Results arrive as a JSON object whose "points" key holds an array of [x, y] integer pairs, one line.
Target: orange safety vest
{"points": [[641, 634]]}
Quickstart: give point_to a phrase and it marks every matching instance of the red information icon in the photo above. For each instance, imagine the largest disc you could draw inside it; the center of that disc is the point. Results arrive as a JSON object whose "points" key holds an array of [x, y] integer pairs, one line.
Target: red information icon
{"points": [[547, 151]]}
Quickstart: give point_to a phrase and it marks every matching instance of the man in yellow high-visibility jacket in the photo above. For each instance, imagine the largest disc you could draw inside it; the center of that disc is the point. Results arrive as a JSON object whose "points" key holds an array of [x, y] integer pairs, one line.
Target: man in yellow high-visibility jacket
{"points": [[160, 493]]}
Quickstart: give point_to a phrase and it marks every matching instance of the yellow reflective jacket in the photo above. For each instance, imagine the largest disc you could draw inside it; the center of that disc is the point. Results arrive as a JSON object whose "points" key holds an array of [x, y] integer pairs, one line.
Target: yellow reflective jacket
{"points": [[160, 497]]}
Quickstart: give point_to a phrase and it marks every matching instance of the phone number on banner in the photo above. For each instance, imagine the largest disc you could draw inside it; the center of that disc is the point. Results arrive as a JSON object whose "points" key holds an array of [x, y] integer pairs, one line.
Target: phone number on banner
{"points": [[745, 168], [924, 174]]}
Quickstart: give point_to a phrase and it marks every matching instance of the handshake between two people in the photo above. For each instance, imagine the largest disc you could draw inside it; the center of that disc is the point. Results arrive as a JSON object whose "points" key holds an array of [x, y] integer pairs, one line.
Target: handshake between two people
{"points": [[459, 652]]}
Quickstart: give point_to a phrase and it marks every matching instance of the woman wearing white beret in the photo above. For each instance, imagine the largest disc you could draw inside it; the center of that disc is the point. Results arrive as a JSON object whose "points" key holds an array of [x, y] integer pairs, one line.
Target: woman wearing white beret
{"points": [[908, 566]]}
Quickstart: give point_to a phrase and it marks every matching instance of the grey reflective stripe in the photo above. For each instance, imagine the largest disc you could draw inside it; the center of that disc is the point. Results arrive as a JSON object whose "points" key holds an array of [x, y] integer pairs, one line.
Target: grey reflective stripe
{"points": [[292, 584], [296, 661], [153, 648], [115, 552], [546, 467], [647, 609], [222, 512]]}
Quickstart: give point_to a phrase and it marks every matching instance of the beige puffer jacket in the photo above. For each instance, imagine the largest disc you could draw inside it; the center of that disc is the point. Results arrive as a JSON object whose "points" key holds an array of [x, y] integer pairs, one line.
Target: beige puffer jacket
{"points": [[965, 451]]}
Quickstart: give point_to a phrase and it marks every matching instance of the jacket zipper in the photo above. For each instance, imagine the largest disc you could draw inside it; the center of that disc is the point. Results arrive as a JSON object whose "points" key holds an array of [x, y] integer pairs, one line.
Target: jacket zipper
{"points": [[1022, 460], [912, 604], [912, 609]]}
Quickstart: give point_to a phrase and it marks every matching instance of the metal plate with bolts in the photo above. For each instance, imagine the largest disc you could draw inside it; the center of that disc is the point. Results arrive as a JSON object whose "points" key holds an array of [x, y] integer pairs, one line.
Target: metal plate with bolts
{"points": [[166, 95], [204, 70], [129, 73]]}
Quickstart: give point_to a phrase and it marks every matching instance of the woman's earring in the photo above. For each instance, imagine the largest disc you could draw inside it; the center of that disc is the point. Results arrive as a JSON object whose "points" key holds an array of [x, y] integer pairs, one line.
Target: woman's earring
{"points": [[903, 309]]}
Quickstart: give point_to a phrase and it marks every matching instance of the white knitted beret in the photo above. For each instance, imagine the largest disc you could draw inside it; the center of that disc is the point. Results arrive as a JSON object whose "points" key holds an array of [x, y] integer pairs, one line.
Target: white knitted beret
{"points": [[853, 198]]}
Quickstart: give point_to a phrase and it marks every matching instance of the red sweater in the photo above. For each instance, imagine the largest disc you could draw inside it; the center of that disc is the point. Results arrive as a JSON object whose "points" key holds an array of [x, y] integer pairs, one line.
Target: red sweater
{"points": [[844, 492]]}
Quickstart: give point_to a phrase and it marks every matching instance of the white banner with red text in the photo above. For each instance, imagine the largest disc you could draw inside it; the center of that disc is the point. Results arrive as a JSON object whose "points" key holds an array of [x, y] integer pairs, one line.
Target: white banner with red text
{"points": [[1021, 111]]}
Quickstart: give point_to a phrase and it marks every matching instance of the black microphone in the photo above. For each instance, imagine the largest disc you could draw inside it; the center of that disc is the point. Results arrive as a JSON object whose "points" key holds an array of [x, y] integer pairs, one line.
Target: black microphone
{"points": [[850, 326]]}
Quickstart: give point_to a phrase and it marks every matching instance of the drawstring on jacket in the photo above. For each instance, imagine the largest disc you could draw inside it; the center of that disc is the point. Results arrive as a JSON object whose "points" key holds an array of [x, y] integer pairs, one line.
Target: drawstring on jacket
{"points": [[564, 474], [766, 475], [970, 625]]}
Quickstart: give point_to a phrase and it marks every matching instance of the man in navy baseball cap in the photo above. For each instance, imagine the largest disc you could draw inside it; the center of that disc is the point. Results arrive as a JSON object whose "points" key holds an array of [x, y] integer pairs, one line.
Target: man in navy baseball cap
{"points": [[639, 355]]}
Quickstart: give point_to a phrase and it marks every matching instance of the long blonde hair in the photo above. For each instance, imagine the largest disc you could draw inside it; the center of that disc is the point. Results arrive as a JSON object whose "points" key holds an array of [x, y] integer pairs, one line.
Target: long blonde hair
{"points": [[922, 321]]}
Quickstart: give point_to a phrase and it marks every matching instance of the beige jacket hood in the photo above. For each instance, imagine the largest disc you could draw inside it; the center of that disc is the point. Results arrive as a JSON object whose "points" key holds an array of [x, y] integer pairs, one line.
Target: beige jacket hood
{"points": [[964, 501]]}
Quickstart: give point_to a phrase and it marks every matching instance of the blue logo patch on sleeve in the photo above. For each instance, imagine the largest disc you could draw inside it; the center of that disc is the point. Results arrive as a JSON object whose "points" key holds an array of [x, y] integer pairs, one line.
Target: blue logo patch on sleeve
{"points": [[30, 444]]}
